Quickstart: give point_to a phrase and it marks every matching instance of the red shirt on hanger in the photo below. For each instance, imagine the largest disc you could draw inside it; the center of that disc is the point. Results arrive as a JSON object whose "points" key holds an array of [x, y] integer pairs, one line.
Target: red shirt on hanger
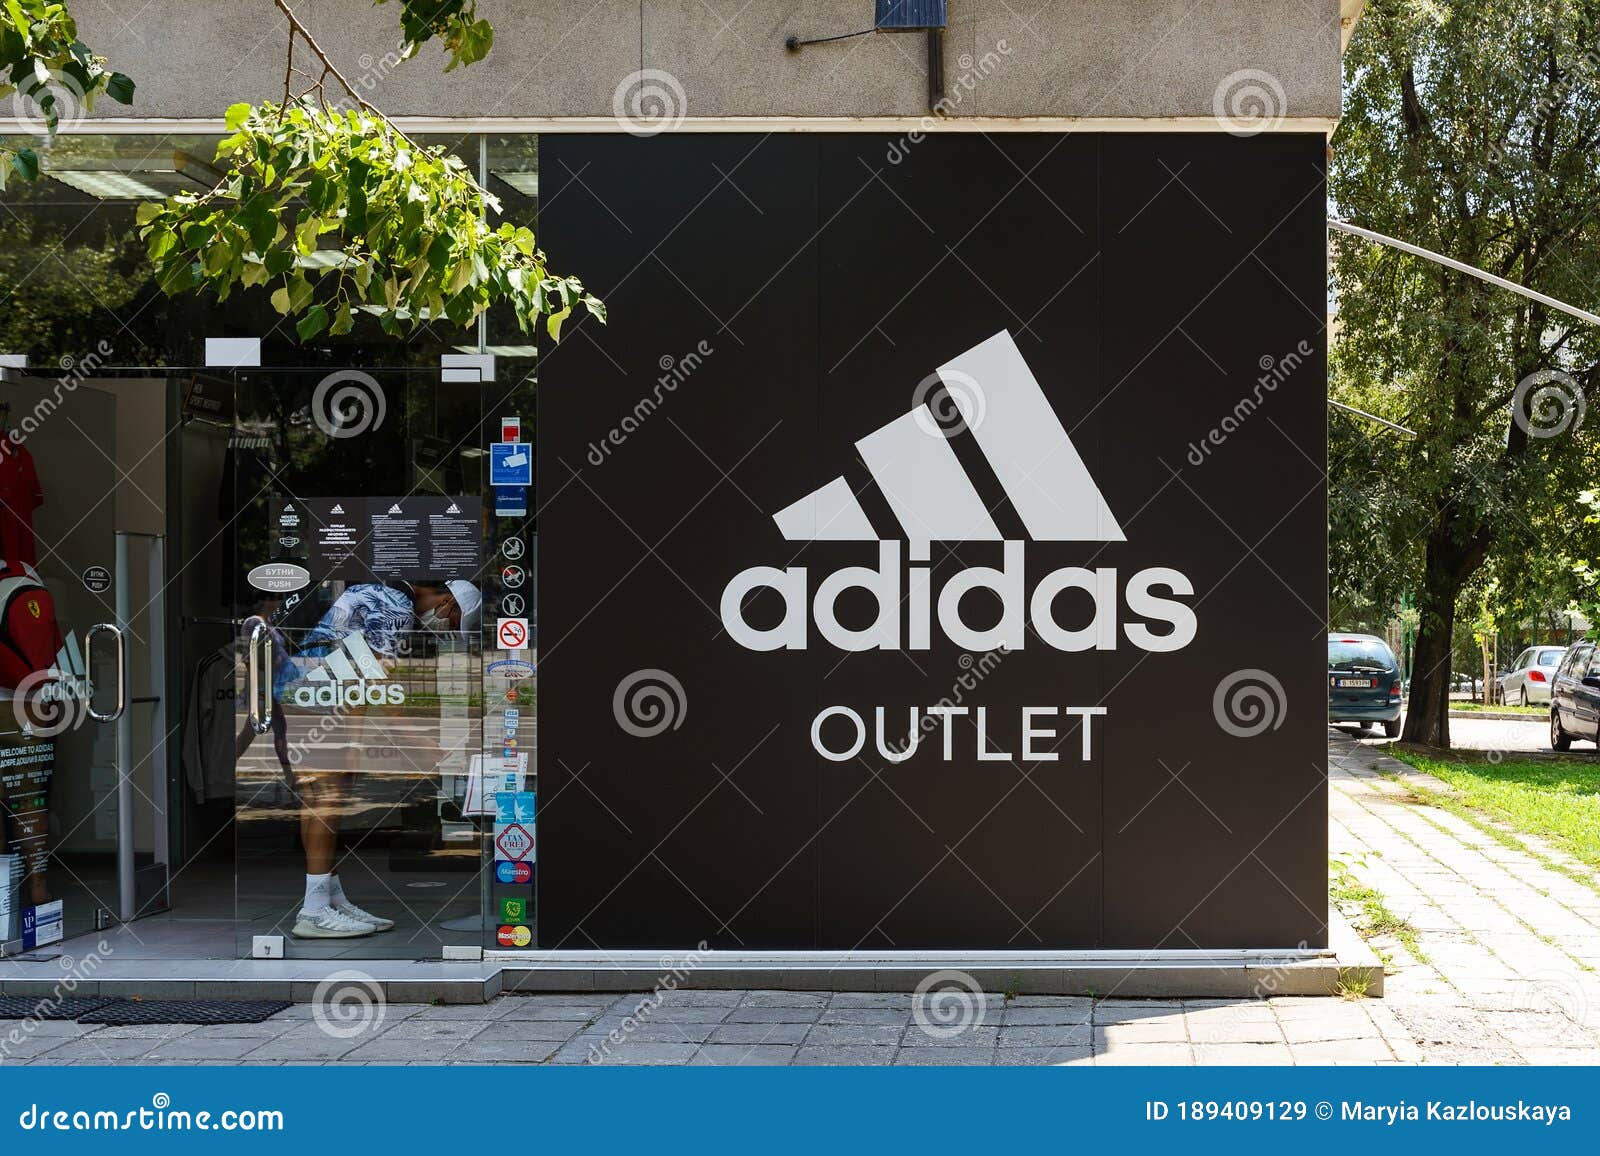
{"points": [[20, 496]]}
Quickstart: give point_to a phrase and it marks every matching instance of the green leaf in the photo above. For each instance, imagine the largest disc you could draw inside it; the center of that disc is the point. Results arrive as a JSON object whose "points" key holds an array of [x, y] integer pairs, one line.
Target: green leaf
{"points": [[313, 323], [280, 300], [119, 88], [26, 164], [236, 116]]}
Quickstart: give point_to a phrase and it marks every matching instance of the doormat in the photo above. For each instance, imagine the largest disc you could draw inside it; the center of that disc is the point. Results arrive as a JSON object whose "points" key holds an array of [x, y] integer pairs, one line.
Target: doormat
{"points": [[44, 1007], [185, 1011]]}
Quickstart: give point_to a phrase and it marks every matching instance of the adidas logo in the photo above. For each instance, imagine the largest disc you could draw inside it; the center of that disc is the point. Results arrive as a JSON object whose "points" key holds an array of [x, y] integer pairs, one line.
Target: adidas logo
{"points": [[349, 675], [395, 509], [338, 508], [71, 679], [453, 509], [932, 498]]}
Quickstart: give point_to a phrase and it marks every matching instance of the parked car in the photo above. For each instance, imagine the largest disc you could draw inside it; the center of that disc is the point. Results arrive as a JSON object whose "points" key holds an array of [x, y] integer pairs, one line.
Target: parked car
{"points": [[1363, 682], [1531, 675], [1575, 697]]}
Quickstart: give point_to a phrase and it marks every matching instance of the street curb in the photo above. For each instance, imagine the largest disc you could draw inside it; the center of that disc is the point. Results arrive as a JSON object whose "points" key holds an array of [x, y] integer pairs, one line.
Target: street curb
{"points": [[1499, 715]]}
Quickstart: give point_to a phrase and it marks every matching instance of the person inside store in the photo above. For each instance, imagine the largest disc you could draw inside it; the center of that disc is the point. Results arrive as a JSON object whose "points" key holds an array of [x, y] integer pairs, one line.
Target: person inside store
{"points": [[369, 620]]}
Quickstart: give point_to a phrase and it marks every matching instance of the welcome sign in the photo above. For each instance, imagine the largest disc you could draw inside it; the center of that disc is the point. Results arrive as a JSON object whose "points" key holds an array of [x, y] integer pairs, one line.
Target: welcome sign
{"points": [[905, 622]]}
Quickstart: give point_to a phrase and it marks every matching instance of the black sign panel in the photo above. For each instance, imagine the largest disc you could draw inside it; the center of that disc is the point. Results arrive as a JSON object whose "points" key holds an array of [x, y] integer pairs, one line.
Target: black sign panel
{"points": [[367, 539], [933, 544]]}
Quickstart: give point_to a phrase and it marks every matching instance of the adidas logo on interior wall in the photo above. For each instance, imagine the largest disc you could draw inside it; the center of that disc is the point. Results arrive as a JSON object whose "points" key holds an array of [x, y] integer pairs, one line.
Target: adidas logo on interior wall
{"points": [[348, 675], [923, 483]]}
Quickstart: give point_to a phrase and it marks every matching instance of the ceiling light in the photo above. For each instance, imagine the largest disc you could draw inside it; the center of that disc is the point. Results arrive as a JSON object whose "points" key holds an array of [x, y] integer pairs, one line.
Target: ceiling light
{"points": [[525, 181], [114, 186], [501, 350]]}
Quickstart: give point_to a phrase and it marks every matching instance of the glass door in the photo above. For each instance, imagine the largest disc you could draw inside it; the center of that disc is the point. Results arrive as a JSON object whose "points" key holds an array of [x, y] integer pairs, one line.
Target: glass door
{"points": [[63, 665], [359, 524]]}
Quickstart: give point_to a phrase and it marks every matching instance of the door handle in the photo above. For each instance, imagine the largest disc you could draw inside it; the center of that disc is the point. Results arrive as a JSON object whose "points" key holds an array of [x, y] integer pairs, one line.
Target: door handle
{"points": [[261, 723], [122, 672]]}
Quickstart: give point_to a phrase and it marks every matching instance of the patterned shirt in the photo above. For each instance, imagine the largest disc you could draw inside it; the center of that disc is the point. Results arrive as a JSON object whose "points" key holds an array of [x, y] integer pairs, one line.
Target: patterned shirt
{"points": [[381, 614]]}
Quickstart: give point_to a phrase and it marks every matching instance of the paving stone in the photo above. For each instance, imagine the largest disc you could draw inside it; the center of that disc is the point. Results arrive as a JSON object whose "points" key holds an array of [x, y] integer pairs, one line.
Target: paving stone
{"points": [[1267, 1032], [514, 1009], [774, 1015], [428, 1028], [744, 1055], [506, 1031], [852, 1035], [480, 1051], [195, 1049], [866, 1057], [945, 1057], [1058, 1014], [1331, 1051], [1244, 1054], [1161, 1031], [977, 1036], [1043, 1057], [1145, 1054], [869, 999], [630, 1054], [1046, 1036], [866, 1015], [409, 1051], [759, 1034], [786, 999]]}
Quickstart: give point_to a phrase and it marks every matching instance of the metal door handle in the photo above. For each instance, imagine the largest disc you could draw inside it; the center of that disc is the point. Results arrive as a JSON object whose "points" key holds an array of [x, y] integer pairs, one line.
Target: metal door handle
{"points": [[261, 723], [122, 672]]}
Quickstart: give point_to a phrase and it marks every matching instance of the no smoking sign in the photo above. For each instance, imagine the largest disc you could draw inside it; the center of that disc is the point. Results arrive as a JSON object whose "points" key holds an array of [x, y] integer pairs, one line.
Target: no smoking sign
{"points": [[512, 633]]}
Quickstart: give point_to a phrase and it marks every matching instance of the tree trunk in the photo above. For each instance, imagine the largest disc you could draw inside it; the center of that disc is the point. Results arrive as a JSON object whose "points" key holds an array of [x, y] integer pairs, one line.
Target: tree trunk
{"points": [[1428, 709]]}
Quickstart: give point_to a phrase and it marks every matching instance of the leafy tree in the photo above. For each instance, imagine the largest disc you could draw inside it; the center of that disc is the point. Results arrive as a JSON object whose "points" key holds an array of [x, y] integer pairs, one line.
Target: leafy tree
{"points": [[410, 222], [1471, 129]]}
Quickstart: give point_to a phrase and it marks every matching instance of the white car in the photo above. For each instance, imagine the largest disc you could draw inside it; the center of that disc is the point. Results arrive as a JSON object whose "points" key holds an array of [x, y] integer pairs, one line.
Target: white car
{"points": [[1531, 675]]}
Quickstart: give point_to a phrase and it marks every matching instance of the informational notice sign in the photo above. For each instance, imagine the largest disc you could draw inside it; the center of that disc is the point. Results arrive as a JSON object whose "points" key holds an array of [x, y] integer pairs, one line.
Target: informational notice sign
{"points": [[375, 539]]}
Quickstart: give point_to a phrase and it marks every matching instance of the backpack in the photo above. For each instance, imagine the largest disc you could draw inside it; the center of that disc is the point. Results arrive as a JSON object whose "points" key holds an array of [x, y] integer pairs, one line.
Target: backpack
{"points": [[29, 636]]}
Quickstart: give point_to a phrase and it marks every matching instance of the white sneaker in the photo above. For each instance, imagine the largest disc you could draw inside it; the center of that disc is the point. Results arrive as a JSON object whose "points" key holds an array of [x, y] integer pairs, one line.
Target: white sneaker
{"points": [[329, 924], [351, 911]]}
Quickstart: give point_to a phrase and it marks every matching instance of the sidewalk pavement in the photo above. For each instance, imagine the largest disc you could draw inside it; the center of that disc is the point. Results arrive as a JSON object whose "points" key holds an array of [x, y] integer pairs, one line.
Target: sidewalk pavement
{"points": [[1500, 971]]}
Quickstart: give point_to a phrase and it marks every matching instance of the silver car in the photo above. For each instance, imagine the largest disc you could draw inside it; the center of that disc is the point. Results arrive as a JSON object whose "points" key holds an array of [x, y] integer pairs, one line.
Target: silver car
{"points": [[1531, 675]]}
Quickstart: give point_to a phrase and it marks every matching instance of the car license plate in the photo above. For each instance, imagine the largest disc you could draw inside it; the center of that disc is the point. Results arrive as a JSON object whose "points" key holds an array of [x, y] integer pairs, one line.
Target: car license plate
{"points": [[1357, 682]]}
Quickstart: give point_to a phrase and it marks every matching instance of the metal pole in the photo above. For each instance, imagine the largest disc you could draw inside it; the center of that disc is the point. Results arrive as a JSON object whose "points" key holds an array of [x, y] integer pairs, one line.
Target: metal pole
{"points": [[1463, 267], [127, 889]]}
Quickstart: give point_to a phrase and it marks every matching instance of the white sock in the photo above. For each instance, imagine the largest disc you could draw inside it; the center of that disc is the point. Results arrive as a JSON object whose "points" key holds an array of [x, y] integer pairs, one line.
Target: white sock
{"points": [[335, 891], [319, 893]]}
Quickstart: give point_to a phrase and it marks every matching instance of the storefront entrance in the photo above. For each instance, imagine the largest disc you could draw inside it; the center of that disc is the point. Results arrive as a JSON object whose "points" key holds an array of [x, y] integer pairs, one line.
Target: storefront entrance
{"points": [[242, 622], [357, 678]]}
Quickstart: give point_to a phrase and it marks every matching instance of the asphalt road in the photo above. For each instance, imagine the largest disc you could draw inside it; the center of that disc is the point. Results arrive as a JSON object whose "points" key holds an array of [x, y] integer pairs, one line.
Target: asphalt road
{"points": [[1483, 734]]}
